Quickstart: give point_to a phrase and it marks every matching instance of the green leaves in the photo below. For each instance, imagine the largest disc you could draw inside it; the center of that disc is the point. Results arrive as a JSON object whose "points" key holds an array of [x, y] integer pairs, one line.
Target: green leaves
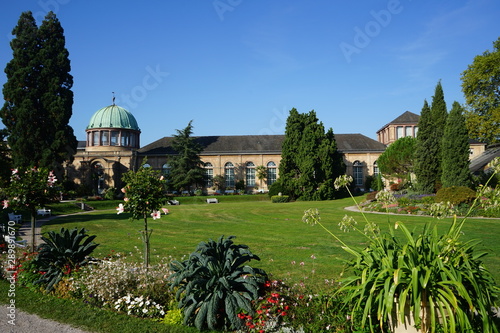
{"points": [[214, 285], [62, 253]]}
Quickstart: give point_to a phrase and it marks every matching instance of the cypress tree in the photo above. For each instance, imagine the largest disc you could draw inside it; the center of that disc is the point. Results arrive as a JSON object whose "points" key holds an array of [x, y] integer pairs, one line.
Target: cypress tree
{"points": [[455, 150], [425, 166], [439, 115], [38, 99]]}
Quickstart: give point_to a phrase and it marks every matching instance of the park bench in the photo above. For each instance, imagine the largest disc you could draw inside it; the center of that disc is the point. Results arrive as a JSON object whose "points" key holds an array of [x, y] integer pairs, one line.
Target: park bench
{"points": [[212, 200], [44, 212]]}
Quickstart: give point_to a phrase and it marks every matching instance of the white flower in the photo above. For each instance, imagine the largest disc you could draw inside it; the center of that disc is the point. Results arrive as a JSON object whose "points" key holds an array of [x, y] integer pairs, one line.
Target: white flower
{"points": [[156, 214], [120, 208]]}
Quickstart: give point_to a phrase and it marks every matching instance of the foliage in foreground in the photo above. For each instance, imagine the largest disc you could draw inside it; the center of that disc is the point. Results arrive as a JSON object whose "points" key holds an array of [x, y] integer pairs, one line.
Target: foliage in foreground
{"points": [[439, 278], [214, 285]]}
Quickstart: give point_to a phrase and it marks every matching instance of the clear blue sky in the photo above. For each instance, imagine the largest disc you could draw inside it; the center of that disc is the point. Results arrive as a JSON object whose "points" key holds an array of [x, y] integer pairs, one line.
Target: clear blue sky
{"points": [[236, 67]]}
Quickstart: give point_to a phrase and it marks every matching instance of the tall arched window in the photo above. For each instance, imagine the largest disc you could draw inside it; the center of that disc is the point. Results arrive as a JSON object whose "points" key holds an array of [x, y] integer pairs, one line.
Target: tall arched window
{"points": [[229, 174], [271, 173], [165, 169], [250, 174], [376, 170], [209, 174], [357, 167]]}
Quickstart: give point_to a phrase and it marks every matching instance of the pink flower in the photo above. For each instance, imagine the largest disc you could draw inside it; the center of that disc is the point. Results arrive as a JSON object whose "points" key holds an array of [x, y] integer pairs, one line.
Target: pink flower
{"points": [[5, 204], [156, 214], [165, 211], [124, 190], [120, 208], [14, 171]]}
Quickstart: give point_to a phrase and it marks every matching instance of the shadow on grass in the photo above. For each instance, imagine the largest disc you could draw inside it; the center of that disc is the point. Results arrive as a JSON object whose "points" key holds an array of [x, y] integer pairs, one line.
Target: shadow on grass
{"points": [[88, 218]]}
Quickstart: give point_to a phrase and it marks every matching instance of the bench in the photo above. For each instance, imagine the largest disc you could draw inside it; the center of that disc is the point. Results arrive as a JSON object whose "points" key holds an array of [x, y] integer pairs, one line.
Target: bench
{"points": [[16, 218], [44, 212], [173, 202], [212, 200]]}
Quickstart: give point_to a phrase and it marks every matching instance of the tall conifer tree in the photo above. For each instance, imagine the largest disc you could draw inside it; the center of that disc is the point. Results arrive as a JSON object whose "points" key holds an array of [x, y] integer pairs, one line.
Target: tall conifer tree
{"points": [[38, 99], [439, 115], [310, 161], [425, 166], [455, 150]]}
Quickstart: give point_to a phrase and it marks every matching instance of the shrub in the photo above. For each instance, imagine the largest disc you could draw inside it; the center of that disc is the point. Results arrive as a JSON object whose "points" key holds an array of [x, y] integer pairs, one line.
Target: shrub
{"points": [[280, 198], [455, 195], [276, 188], [213, 286], [61, 253]]}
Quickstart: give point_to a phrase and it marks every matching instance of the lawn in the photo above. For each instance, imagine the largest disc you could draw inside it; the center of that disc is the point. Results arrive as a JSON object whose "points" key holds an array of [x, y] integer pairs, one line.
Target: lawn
{"points": [[288, 248]]}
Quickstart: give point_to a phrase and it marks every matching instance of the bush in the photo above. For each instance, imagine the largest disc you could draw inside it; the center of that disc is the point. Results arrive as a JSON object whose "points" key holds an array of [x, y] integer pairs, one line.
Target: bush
{"points": [[455, 195], [213, 286], [280, 198], [276, 188]]}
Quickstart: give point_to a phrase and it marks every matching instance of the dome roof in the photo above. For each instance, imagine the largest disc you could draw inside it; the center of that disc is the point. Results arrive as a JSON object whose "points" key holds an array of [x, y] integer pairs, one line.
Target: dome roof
{"points": [[113, 116]]}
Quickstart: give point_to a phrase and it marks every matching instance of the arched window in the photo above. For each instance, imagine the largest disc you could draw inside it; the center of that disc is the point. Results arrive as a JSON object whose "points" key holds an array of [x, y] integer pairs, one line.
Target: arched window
{"points": [[376, 170], [271, 173], [98, 177], [250, 174], [165, 169], [146, 165], [357, 167], [209, 174], [229, 174]]}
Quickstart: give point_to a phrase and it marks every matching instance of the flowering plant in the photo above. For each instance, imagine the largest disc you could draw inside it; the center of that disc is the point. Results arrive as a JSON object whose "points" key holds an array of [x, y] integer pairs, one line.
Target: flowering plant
{"points": [[144, 196], [139, 306], [440, 279]]}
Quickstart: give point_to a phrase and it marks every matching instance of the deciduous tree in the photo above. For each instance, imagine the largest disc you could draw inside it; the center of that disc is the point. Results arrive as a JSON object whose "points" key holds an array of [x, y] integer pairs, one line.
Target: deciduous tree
{"points": [[481, 87], [398, 159]]}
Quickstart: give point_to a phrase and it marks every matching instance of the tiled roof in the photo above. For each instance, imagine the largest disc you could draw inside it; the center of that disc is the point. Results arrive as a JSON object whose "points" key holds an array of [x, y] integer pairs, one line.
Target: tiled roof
{"points": [[257, 144], [406, 118], [482, 160]]}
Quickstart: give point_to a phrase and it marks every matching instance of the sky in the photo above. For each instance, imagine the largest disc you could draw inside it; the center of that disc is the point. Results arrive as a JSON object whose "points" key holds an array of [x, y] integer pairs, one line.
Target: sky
{"points": [[236, 67]]}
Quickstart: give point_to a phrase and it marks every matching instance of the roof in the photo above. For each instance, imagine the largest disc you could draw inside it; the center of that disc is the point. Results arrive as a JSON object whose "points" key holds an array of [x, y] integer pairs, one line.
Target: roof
{"points": [[404, 119], [113, 116], [257, 144], [486, 157]]}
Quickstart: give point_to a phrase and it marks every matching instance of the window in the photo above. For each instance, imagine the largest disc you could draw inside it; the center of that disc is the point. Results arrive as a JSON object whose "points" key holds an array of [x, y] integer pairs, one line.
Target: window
{"points": [[250, 174], [125, 139], [399, 132], [376, 170], [271, 173], [229, 174], [209, 175], [105, 138], [408, 131], [415, 130], [358, 173], [114, 138], [95, 140], [146, 165], [165, 169]]}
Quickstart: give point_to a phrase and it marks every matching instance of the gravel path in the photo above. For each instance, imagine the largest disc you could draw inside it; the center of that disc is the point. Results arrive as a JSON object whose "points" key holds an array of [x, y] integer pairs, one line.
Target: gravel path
{"points": [[26, 323]]}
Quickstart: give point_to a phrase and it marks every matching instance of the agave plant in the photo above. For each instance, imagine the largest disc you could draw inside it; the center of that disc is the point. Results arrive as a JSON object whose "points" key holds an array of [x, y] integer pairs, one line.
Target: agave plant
{"points": [[213, 285], [62, 253]]}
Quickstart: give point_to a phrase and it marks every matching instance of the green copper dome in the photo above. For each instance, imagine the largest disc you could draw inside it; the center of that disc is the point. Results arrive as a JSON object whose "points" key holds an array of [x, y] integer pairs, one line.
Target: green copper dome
{"points": [[113, 116]]}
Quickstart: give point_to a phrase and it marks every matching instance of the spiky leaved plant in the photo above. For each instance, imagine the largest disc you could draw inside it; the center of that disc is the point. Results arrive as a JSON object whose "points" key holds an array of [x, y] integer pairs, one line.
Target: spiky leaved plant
{"points": [[214, 285], [63, 252]]}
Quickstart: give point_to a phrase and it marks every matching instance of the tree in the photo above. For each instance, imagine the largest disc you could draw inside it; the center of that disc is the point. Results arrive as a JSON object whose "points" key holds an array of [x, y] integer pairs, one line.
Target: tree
{"points": [[38, 99], [261, 173], [30, 188], [439, 114], [481, 87], [5, 161], [310, 161], [455, 150], [186, 168], [425, 166], [397, 160], [144, 196]]}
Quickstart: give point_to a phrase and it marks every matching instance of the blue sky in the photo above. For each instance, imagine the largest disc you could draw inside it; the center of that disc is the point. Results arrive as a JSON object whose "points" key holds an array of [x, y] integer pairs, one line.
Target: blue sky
{"points": [[236, 67]]}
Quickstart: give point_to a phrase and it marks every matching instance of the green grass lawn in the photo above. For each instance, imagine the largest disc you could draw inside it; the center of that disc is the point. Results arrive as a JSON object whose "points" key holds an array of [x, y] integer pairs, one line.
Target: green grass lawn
{"points": [[275, 232]]}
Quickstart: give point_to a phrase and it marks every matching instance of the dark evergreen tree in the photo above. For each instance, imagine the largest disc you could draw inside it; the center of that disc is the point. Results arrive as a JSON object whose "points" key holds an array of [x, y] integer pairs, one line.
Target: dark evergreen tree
{"points": [[425, 166], [310, 161], [398, 159], [455, 150], [186, 167], [56, 98], [439, 115], [5, 161], [38, 99]]}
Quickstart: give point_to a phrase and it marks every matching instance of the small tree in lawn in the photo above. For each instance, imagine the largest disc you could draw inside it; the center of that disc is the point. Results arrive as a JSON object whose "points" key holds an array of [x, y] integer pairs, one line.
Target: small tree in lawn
{"points": [[261, 172], [144, 196], [30, 189]]}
